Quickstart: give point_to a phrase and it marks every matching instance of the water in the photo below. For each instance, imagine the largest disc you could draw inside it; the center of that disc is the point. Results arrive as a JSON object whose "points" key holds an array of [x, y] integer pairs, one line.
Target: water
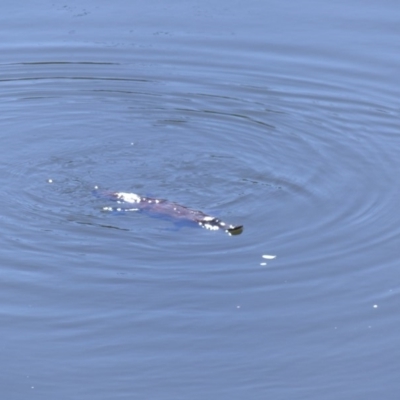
{"points": [[283, 118]]}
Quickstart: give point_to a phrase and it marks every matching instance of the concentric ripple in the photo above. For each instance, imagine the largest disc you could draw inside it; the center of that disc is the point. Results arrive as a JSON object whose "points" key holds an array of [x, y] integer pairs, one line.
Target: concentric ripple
{"points": [[288, 158]]}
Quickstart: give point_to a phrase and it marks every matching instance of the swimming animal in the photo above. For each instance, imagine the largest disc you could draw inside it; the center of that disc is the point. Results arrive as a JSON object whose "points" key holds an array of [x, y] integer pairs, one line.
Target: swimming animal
{"points": [[167, 208]]}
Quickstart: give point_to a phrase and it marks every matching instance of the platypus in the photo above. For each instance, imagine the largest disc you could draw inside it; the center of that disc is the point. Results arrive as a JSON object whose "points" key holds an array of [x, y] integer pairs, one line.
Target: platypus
{"points": [[169, 209]]}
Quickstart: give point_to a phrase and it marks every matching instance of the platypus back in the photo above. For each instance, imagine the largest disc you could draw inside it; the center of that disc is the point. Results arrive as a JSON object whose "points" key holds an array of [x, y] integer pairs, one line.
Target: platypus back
{"points": [[167, 208]]}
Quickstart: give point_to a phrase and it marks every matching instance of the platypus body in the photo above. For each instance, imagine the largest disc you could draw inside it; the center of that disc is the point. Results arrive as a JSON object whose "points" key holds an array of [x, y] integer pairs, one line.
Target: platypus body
{"points": [[167, 208]]}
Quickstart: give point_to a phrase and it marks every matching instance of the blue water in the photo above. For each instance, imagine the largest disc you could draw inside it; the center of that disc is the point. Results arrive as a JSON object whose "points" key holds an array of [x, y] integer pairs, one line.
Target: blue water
{"points": [[281, 117]]}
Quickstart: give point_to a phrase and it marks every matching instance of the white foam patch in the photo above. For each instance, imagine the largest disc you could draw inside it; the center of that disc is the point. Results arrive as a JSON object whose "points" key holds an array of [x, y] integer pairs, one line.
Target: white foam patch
{"points": [[208, 218], [268, 257], [128, 197], [210, 227]]}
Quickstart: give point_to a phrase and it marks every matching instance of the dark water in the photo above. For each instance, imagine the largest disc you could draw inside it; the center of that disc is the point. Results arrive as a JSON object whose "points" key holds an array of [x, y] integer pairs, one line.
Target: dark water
{"points": [[281, 117]]}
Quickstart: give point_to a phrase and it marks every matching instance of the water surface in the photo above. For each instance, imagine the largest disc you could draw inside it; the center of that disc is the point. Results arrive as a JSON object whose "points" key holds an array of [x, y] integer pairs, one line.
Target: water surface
{"points": [[281, 118]]}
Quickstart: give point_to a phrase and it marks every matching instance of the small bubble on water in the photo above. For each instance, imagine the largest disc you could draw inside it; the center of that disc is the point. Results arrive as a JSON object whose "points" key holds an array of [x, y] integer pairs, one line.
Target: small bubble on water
{"points": [[268, 256]]}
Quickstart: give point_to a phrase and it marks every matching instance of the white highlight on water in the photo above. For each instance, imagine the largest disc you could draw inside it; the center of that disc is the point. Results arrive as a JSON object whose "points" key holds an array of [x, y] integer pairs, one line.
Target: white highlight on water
{"points": [[267, 257], [119, 209]]}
